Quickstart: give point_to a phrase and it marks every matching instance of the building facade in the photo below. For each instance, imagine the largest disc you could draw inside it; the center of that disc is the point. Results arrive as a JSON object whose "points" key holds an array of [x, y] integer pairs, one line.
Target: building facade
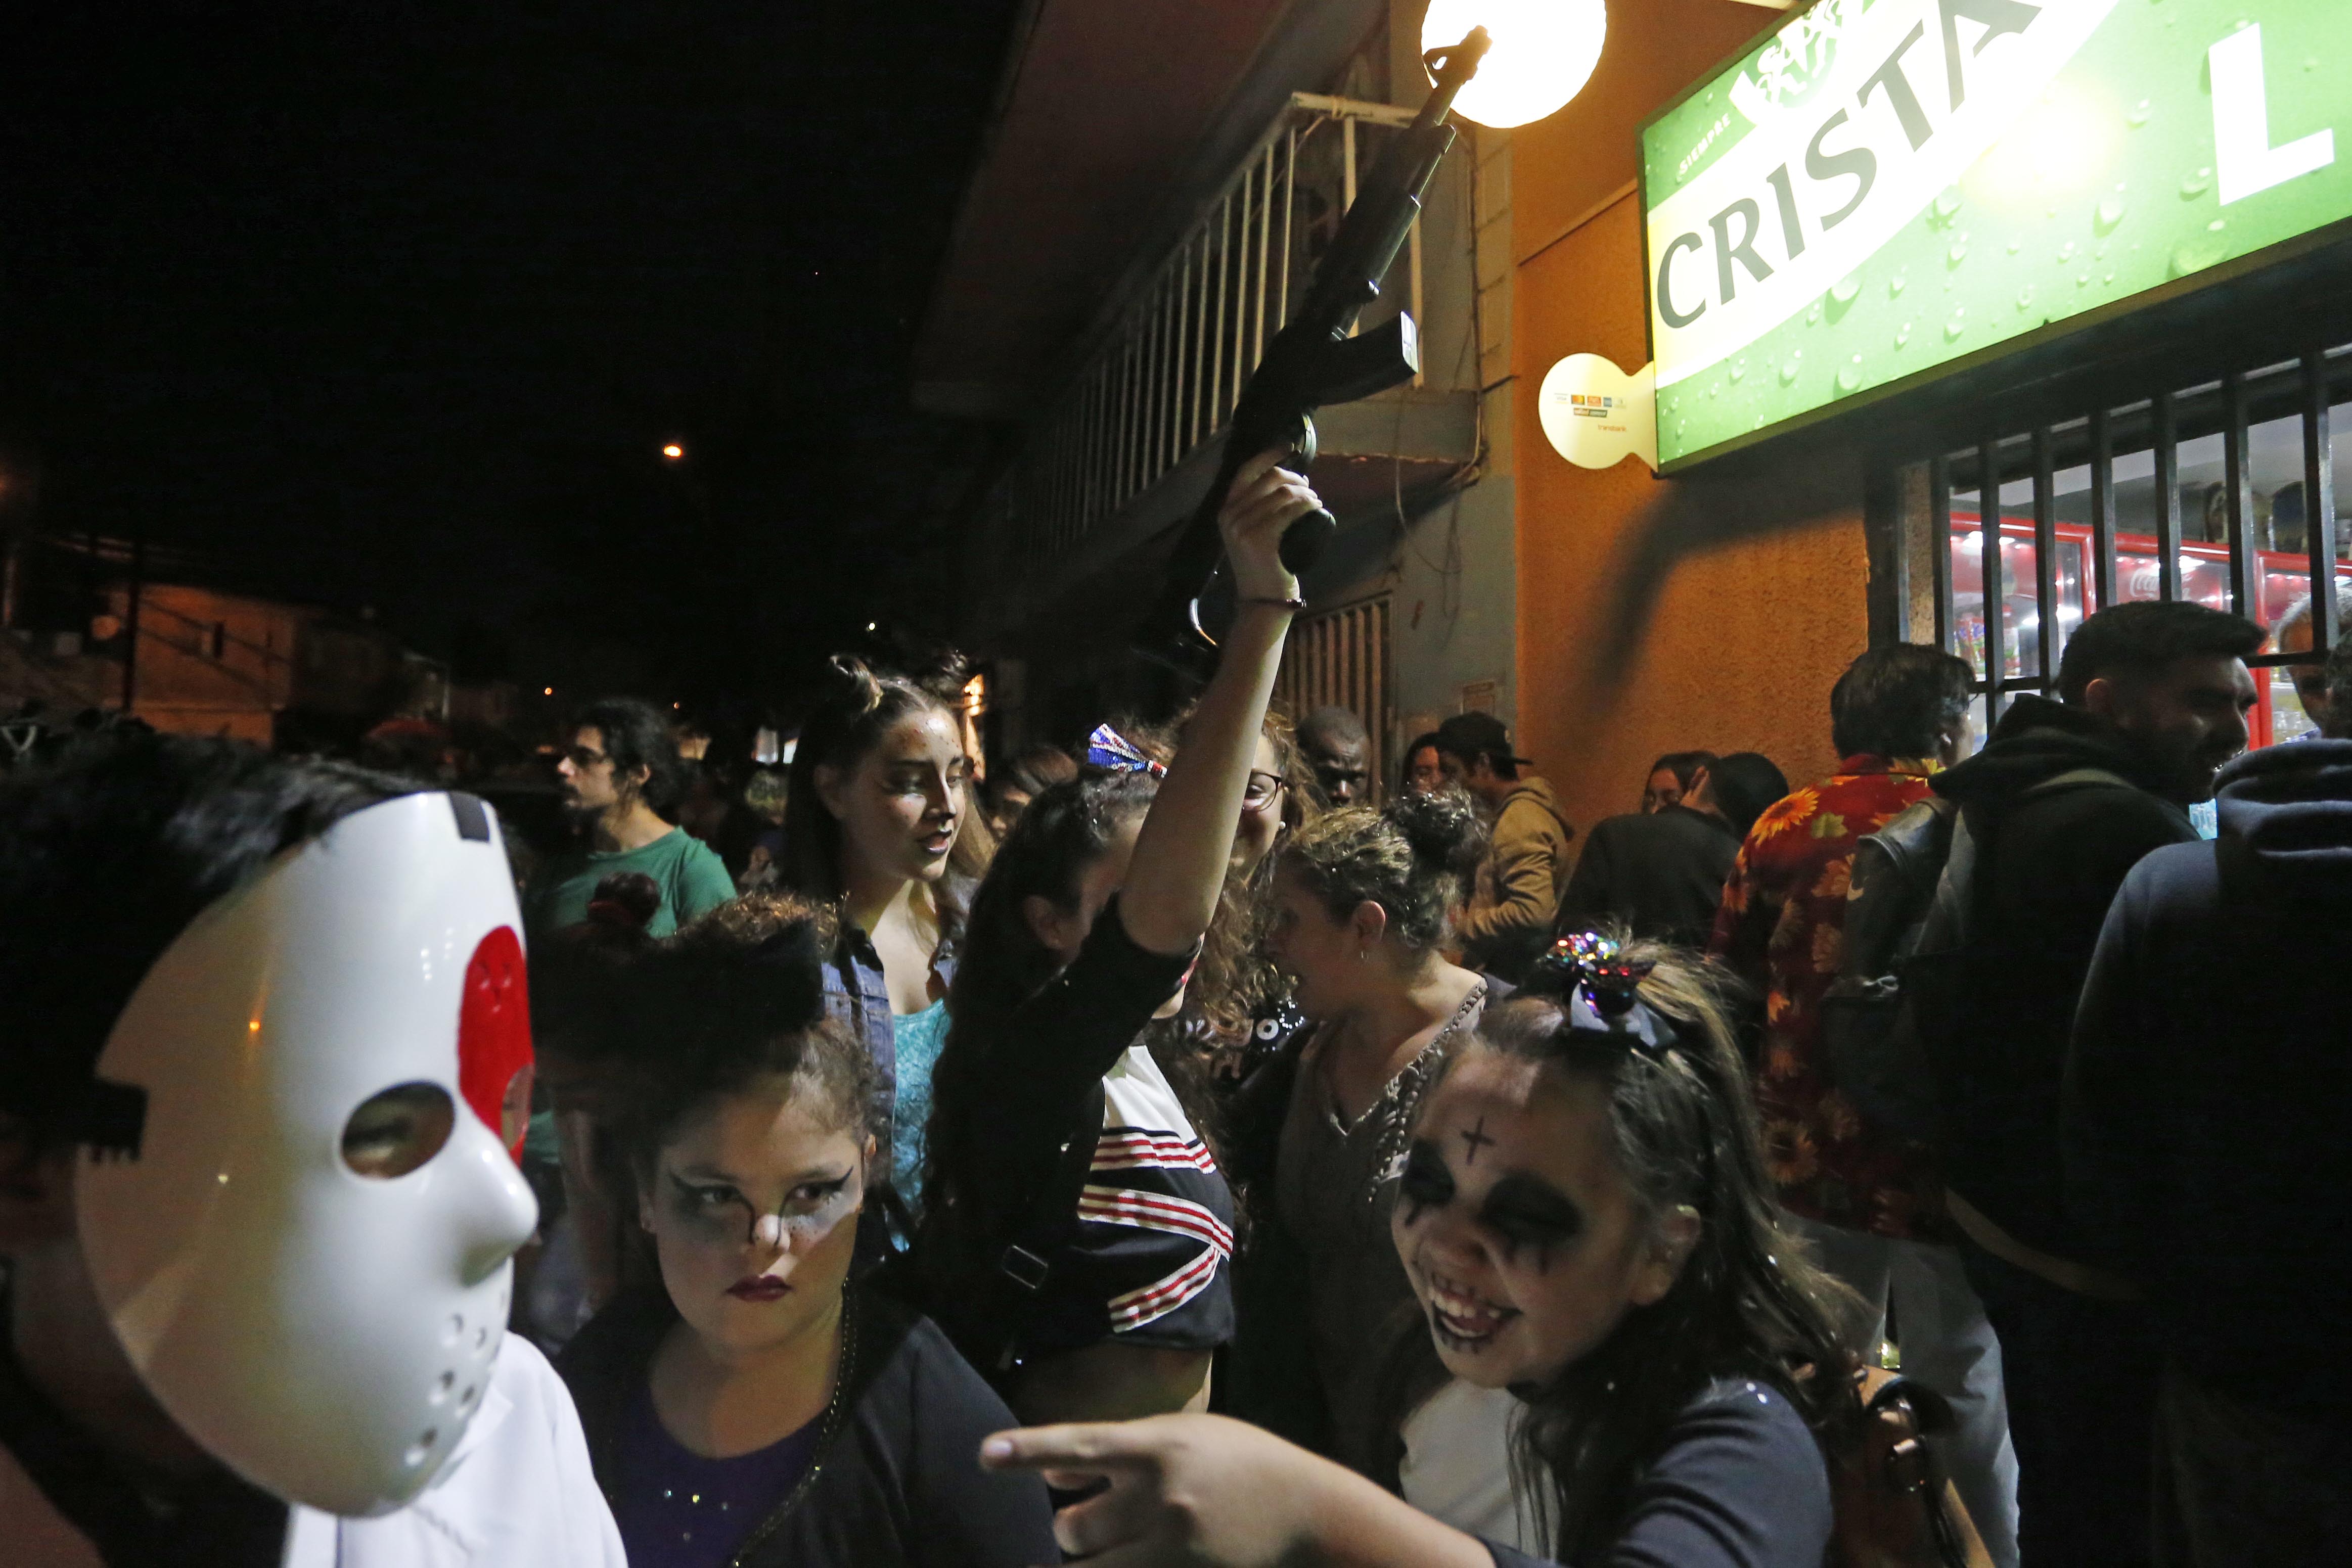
{"points": [[2093, 260]]}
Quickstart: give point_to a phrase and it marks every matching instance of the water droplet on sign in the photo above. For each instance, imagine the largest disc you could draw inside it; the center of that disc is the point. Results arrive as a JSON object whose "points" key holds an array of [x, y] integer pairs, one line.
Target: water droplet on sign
{"points": [[1845, 289], [1848, 379], [1947, 203], [2137, 116], [2196, 184], [1789, 369], [1957, 255], [2025, 298], [2110, 213], [2217, 225], [1894, 284]]}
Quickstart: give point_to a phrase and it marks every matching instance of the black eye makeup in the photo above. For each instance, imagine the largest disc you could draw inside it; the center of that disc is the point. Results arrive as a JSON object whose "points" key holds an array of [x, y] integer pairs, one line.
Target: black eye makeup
{"points": [[1425, 1183], [1525, 1212], [719, 1213]]}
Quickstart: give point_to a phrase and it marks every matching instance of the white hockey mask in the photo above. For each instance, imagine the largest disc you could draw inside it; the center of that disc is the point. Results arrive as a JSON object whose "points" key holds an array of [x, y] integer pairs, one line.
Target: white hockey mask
{"points": [[325, 1332]]}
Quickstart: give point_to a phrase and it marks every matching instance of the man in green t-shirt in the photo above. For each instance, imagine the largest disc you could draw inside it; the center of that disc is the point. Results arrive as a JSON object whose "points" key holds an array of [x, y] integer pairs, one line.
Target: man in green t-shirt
{"points": [[620, 768]]}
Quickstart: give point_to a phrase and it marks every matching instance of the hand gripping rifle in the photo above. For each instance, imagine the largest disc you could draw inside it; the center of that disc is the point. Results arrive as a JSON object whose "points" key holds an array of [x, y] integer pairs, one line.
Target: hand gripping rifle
{"points": [[1313, 360]]}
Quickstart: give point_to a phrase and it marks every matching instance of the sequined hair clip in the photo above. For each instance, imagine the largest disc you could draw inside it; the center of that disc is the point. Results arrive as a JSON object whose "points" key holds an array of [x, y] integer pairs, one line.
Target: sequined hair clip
{"points": [[1600, 990], [1106, 747]]}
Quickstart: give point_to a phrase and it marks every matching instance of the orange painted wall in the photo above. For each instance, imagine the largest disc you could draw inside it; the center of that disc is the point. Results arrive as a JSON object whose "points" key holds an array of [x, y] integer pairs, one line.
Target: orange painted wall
{"points": [[1760, 601]]}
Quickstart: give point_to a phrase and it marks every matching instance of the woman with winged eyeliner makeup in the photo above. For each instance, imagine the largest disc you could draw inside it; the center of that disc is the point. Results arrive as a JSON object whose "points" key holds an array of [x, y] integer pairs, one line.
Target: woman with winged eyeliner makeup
{"points": [[761, 1406]]}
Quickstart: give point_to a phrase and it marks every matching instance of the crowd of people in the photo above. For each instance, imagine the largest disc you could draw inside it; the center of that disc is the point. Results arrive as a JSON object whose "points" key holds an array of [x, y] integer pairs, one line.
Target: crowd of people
{"points": [[1194, 1147]]}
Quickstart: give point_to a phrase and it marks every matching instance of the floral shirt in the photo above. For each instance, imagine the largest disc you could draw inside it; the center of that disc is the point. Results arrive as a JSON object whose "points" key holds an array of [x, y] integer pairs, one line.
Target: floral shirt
{"points": [[1782, 919]]}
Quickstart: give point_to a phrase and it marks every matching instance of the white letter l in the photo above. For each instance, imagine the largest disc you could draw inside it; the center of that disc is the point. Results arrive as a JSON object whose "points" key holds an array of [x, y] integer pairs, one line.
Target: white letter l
{"points": [[2243, 158]]}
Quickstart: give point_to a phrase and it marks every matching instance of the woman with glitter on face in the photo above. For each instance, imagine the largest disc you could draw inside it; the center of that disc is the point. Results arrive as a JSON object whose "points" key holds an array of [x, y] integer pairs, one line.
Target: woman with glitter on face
{"points": [[761, 1406]]}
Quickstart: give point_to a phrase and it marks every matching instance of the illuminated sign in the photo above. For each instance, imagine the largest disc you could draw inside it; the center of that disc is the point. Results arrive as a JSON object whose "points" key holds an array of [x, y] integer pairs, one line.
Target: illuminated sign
{"points": [[1882, 187]]}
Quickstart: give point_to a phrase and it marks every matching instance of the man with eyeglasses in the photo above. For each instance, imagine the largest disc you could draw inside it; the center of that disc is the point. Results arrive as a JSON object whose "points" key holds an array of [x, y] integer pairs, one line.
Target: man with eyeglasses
{"points": [[621, 778]]}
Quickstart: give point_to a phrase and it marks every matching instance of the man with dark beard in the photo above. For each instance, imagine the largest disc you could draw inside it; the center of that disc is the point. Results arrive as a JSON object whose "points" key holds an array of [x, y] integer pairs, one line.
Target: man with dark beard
{"points": [[621, 778], [2066, 798]]}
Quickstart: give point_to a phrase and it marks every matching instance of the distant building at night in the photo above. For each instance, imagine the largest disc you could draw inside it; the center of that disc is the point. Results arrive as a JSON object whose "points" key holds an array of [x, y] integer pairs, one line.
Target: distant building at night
{"points": [[206, 661]]}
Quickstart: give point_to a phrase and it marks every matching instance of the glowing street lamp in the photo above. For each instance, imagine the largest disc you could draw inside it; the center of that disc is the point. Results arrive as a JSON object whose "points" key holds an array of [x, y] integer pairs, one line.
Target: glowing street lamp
{"points": [[1543, 54], [673, 452]]}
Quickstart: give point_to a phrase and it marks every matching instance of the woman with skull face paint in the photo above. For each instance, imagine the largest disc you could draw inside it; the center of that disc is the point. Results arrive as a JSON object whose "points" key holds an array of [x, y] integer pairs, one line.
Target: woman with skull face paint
{"points": [[761, 1408], [1585, 1222]]}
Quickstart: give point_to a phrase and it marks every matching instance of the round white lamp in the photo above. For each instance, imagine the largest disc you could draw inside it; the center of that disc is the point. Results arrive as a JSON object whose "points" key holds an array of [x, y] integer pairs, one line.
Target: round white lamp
{"points": [[1544, 54]]}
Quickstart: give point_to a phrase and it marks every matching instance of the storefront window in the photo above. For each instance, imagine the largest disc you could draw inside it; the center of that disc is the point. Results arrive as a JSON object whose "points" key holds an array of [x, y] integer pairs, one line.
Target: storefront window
{"points": [[2106, 521]]}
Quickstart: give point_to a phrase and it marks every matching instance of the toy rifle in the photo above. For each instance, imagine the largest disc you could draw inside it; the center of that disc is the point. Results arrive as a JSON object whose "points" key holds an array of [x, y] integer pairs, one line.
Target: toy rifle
{"points": [[1313, 360]]}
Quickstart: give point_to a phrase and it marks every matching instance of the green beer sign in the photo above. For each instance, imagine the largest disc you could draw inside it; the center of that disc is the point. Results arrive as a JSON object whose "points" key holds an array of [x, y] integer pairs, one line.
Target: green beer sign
{"points": [[1882, 187]]}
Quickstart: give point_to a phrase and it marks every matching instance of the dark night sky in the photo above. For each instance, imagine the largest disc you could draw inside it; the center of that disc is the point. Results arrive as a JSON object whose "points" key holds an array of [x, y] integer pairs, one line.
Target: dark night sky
{"points": [[394, 305]]}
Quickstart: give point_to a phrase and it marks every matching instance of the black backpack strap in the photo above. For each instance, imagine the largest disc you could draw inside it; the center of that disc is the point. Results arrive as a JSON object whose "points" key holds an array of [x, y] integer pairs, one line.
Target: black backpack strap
{"points": [[1019, 1271]]}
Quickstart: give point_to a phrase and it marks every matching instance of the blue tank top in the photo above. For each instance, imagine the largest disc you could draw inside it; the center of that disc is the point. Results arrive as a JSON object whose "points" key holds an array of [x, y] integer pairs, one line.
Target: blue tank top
{"points": [[917, 1037]]}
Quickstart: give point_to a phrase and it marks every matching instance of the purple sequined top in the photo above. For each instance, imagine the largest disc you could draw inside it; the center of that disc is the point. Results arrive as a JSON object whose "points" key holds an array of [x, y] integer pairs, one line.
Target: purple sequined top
{"points": [[680, 1510]]}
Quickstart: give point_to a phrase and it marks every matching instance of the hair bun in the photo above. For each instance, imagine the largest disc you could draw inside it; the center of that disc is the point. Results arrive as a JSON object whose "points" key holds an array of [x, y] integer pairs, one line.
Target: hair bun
{"points": [[863, 686], [1444, 827], [626, 901], [794, 954]]}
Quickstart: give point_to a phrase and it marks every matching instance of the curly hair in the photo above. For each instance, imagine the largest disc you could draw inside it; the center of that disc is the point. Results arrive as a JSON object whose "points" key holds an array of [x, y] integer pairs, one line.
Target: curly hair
{"points": [[1414, 857]]}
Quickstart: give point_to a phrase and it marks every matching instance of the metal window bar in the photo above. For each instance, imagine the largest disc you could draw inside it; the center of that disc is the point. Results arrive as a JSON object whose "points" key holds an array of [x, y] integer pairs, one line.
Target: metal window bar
{"points": [[2237, 470], [2168, 497], [2103, 509], [2319, 502], [2303, 390], [1939, 504], [1995, 591], [1341, 657], [2045, 561]]}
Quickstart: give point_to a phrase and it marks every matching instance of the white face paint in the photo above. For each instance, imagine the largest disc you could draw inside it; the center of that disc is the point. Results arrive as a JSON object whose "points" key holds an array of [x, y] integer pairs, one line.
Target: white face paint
{"points": [[307, 1256]]}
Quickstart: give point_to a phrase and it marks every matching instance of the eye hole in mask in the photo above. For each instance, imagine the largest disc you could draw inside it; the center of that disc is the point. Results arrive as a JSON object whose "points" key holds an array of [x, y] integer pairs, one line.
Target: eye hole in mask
{"points": [[396, 1131]]}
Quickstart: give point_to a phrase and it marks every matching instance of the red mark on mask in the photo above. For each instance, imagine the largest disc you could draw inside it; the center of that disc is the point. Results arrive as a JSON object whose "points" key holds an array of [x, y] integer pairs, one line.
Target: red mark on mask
{"points": [[494, 1055]]}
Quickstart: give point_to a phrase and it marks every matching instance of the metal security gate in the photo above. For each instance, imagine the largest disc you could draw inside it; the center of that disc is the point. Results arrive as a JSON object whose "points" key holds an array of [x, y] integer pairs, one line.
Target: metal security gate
{"points": [[2223, 493], [1341, 657]]}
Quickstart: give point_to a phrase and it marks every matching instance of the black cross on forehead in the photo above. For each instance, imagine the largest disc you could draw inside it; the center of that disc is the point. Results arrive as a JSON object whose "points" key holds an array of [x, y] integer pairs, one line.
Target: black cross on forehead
{"points": [[1477, 1139]]}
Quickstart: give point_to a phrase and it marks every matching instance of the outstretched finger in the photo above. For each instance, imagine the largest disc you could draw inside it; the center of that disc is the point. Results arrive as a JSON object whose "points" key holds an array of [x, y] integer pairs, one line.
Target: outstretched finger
{"points": [[1096, 1447]]}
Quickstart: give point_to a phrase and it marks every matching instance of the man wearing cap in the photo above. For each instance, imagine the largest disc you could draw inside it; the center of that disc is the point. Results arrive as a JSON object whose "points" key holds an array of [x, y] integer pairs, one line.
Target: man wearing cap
{"points": [[1509, 920]]}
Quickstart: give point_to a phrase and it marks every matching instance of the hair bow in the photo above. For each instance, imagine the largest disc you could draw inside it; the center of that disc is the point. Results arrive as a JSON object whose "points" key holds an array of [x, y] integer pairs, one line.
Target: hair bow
{"points": [[1600, 988], [1106, 747]]}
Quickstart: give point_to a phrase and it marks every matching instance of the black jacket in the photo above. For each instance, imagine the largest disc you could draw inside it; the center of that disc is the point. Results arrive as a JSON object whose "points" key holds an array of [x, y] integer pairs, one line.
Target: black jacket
{"points": [[898, 1480], [1661, 872], [2049, 864], [2208, 1095]]}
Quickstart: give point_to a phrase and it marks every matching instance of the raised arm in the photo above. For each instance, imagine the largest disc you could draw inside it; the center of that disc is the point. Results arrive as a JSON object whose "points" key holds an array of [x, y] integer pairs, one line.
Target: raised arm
{"points": [[1171, 891]]}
